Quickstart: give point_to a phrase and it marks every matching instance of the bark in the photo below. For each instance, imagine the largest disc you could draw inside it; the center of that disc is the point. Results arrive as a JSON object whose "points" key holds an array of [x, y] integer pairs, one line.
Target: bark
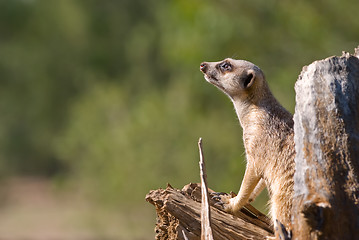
{"points": [[326, 129]]}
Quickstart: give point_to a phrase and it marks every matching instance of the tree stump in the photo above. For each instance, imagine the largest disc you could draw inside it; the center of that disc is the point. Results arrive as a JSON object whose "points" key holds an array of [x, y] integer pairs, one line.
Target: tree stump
{"points": [[326, 129]]}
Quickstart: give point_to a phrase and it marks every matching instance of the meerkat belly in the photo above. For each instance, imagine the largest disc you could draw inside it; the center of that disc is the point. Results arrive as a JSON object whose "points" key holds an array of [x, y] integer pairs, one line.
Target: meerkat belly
{"points": [[278, 175]]}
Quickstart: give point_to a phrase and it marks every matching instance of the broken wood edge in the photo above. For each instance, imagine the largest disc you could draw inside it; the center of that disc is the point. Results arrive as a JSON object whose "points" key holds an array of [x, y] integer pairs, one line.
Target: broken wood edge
{"points": [[206, 230]]}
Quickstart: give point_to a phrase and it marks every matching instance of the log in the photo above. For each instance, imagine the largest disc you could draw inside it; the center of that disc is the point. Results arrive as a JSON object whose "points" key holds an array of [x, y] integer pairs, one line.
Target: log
{"points": [[326, 129], [179, 217]]}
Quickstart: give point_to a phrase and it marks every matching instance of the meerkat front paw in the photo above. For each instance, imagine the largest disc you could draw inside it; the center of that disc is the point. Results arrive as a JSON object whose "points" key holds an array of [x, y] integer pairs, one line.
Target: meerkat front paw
{"points": [[226, 202]]}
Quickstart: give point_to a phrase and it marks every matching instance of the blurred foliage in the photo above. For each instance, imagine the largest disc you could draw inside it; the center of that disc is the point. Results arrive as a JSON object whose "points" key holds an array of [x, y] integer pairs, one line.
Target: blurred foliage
{"points": [[109, 94]]}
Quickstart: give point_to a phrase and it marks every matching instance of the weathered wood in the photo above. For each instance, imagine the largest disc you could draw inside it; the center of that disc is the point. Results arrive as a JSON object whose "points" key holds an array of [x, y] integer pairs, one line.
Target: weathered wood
{"points": [[206, 229], [179, 211], [326, 127]]}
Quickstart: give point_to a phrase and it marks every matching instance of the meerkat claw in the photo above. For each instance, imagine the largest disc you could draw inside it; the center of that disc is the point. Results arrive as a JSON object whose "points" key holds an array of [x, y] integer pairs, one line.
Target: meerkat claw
{"points": [[216, 198], [219, 205], [221, 199], [217, 195]]}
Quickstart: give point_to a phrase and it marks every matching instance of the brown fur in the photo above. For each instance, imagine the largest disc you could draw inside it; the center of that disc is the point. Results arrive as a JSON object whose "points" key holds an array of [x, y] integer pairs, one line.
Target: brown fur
{"points": [[267, 135]]}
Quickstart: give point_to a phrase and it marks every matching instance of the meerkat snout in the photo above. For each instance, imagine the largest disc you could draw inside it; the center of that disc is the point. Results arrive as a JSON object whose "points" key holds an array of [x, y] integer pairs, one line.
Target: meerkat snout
{"points": [[203, 67]]}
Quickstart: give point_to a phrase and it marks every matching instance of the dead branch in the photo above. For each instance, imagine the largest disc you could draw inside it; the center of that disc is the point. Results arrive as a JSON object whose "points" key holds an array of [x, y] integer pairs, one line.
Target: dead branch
{"points": [[206, 233]]}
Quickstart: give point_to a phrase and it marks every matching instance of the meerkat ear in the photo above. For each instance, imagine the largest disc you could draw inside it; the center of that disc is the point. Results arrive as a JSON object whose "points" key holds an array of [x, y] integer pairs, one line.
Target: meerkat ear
{"points": [[248, 80]]}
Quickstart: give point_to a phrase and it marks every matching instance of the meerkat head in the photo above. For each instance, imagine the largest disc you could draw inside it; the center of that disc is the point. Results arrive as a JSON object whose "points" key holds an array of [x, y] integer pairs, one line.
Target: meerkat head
{"points": [[239, 79]]}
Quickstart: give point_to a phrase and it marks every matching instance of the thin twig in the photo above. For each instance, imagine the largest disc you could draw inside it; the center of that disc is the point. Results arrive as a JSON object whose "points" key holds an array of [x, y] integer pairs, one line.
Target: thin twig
{"points": [[184, 235], [206, 232]]}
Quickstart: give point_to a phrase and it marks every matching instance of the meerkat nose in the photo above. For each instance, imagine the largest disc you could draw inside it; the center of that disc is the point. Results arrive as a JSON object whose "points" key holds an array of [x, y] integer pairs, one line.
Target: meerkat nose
{"points": [[203, 67]]}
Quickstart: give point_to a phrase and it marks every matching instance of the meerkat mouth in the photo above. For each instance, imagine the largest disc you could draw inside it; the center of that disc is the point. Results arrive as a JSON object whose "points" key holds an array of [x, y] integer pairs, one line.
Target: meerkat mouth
{"points": [[213, 80], [210, 79]]}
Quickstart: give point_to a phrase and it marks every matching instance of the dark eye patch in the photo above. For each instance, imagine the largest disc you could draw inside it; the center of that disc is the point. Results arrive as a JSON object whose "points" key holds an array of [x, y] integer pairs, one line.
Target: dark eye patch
{"points": [[225, 66]]}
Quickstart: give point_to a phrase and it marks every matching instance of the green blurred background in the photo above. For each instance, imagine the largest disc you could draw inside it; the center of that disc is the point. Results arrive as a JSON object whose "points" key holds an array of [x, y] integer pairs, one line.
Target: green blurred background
{"points": [[102, 101]]}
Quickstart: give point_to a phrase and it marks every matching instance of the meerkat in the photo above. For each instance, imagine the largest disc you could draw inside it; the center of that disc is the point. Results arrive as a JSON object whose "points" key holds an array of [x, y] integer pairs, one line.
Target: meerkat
{"points": [[268, 136]]}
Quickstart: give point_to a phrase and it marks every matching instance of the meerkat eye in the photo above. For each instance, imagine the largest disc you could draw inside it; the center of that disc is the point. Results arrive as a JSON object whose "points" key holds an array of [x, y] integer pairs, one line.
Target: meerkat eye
{"points": [[225, 67]]}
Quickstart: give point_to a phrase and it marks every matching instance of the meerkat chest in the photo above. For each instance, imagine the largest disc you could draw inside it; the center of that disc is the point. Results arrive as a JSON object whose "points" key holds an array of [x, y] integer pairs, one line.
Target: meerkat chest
{"points": [[262, 145], [256, 137]]}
